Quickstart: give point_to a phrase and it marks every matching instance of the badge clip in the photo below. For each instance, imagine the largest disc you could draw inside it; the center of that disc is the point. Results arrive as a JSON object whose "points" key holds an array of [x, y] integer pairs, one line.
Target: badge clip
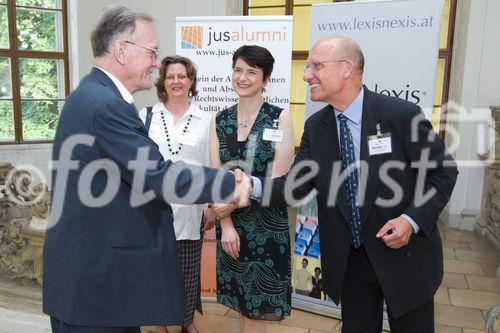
{"points": [[379, 132]]}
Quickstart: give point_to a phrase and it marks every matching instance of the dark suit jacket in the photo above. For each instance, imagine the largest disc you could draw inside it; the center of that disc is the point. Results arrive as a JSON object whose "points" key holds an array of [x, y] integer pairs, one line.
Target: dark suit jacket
{"points": [[114, 265], [410, 275]]}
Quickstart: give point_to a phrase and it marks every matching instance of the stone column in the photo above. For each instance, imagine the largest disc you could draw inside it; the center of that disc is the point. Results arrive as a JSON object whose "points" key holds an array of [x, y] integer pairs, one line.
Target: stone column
{"points": [[489, 222]]}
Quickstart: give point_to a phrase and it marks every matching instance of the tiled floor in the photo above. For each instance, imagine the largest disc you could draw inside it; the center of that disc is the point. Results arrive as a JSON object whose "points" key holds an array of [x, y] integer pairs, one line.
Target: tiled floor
{"points": [[470, 287]]}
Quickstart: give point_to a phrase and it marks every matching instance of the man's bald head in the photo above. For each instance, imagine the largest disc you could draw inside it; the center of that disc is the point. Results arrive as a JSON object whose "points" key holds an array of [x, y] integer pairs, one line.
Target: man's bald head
{"points": [[344, 48]]}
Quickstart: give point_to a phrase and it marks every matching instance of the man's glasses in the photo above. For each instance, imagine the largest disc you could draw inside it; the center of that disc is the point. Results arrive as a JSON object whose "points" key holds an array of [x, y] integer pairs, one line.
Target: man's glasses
{"points": [[317, 65], [154, 52]]}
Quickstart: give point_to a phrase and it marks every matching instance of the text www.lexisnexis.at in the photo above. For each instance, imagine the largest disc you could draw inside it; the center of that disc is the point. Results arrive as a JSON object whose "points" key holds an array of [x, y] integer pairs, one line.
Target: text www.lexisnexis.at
{"points": [[377, 24]]}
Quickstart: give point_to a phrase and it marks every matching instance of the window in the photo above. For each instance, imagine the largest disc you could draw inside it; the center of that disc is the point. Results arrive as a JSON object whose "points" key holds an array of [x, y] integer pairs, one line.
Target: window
{"points": [[33, 68], [301, 10]]}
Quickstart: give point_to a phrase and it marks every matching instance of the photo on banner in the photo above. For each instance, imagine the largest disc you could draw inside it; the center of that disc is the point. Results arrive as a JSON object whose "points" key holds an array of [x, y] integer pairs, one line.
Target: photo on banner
{"points": [[306, 267], [210, 42], [306, 259]]}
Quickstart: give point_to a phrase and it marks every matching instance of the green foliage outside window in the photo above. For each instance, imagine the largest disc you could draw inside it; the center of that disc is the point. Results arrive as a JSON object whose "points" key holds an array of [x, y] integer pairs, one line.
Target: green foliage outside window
{"points": [[6, 117], [4, 32], [37, 3], [36, 30], [41, 80], [6, 121], [39, 119], [5, 85]]}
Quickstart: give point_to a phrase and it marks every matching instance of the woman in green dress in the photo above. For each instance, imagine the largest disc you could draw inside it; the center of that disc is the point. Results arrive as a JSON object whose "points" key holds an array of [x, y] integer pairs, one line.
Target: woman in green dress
{"points": [[253, 243]]}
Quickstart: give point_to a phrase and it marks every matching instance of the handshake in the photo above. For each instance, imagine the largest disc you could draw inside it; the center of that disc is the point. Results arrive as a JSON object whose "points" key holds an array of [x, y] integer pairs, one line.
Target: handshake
{"points": [[241, 198], [242, 189]]}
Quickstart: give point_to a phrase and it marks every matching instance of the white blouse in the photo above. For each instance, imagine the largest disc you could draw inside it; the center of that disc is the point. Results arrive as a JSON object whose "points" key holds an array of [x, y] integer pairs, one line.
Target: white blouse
{"points": [[190, 133]]}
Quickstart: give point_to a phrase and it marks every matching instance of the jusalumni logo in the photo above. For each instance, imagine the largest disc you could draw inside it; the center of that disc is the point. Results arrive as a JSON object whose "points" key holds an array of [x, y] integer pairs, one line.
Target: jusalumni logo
{"points": [[191, 37]]}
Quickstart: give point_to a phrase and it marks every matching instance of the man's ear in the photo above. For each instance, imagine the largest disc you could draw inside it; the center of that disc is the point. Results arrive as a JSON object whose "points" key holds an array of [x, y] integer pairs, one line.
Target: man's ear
{"points": [[348, 69], [119, 51]]}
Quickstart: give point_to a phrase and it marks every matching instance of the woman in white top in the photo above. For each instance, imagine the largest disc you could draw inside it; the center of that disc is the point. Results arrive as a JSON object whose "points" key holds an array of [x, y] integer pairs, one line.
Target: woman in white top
{"points": [[181, 131]]}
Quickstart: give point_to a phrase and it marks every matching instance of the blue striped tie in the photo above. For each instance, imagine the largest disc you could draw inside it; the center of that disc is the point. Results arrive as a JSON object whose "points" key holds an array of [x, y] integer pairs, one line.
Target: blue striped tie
{"points": [[351, 184]]}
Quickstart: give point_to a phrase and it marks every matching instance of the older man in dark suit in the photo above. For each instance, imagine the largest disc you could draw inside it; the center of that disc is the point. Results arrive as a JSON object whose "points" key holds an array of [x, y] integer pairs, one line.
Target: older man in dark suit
{"points": [[110, 257], [383, 179]]}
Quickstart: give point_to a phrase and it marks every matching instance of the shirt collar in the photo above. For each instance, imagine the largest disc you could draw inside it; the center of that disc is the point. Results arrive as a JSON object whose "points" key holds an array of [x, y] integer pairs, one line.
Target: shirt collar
{"points": [[127, 96], [354, 111]]}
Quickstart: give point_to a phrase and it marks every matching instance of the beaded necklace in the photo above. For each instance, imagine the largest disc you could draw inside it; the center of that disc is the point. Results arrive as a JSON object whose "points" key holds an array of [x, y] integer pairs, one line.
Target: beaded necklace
{"points": [[168, 136]]}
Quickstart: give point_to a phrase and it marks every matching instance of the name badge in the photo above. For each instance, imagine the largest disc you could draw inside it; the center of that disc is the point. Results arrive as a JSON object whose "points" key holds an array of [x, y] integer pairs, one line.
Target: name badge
{"points": [[275, 135], [379, 144]]}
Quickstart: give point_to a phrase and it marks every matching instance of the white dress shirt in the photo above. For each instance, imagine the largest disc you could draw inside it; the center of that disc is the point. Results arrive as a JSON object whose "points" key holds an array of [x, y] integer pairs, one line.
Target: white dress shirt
{"points": [[354, 114], [194, 150], [127, 96]]}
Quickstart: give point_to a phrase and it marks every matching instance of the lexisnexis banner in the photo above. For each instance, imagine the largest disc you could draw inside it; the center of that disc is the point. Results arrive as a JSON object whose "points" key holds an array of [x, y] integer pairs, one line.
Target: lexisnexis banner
{"points": [[400, 41], [211, 41]]}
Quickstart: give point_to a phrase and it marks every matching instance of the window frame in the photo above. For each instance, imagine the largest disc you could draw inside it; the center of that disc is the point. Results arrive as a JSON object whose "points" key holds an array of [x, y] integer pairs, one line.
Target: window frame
{"points": [[15, 54], [445, 53]]}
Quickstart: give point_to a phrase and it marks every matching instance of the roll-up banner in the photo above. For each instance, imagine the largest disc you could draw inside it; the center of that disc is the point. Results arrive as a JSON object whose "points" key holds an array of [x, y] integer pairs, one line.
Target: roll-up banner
{"points": [[210, 43], [400, 42], [399, 39]]}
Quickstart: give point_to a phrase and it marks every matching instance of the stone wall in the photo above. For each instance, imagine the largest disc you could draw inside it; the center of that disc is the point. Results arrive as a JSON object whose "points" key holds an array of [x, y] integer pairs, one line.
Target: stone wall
{"points": [[489, 222]]}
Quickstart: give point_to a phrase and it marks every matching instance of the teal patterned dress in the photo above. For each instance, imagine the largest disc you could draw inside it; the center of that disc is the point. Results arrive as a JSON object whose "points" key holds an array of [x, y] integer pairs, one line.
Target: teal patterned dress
{"points": [[257, 285]]}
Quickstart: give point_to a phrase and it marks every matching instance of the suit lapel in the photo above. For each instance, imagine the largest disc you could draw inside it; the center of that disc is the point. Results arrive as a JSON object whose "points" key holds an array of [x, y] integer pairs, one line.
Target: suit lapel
{"points": [[105, 80], [370, 118], [330, 152]]}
